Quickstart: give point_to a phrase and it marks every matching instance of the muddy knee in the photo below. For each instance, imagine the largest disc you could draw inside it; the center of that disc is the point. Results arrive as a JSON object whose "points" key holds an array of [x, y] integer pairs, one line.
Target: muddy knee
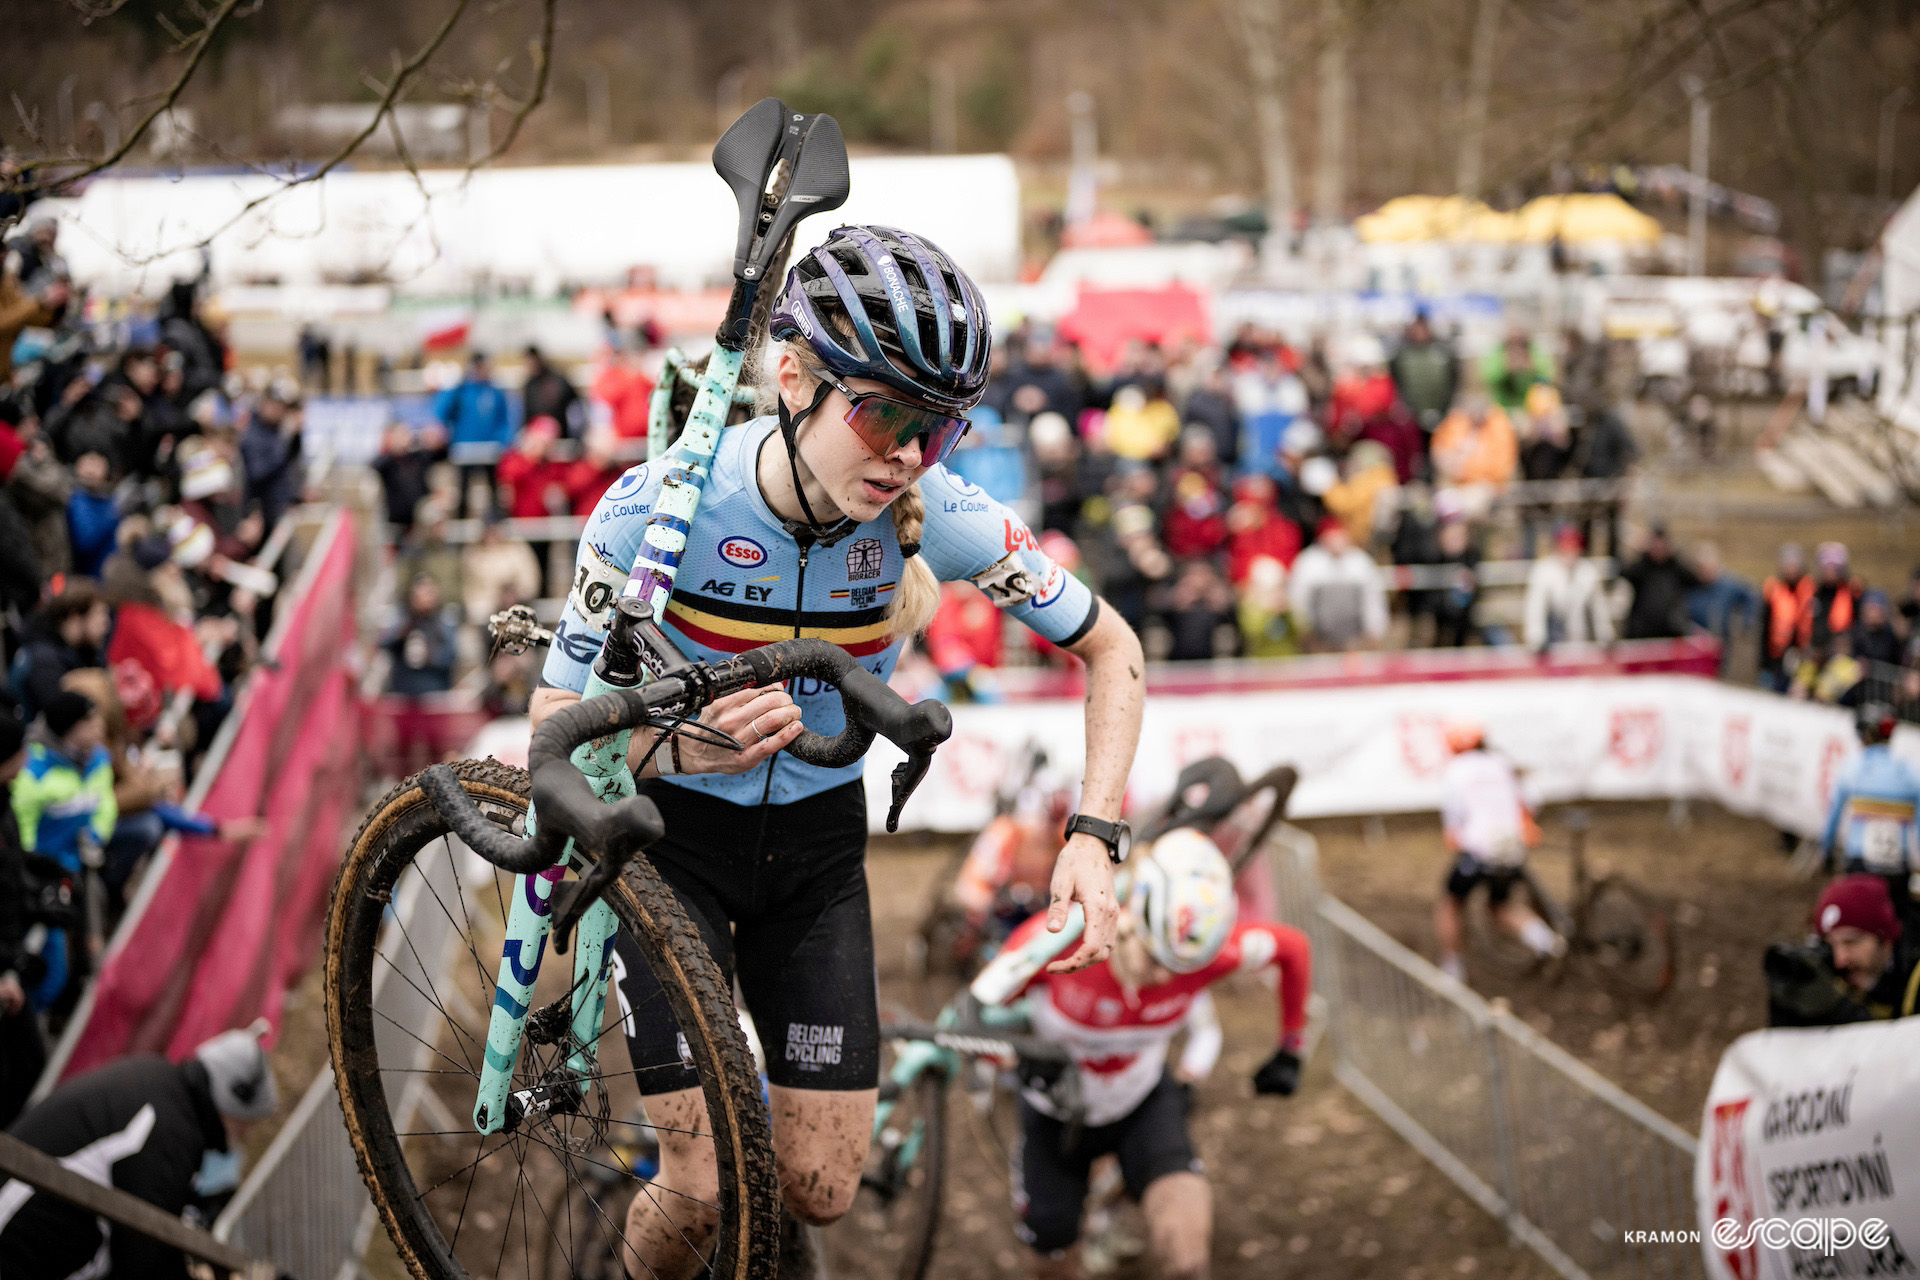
{"points": [[818, 1196]]}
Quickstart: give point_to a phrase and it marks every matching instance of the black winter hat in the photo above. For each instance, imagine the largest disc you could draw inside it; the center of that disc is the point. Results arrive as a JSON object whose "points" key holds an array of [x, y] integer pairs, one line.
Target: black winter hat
{"points": [[66, 711]]}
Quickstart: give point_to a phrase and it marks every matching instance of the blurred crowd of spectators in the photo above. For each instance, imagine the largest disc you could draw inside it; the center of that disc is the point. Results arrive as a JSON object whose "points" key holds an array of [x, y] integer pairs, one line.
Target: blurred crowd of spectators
{"points": [[1253, 499], [1827, 636], [1244, 500], [484, 457], [138, 479]]}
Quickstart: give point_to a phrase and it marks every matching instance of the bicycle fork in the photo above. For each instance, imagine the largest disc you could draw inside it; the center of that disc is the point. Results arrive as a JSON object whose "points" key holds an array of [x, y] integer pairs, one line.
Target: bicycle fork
{"points": [[529, 921]]}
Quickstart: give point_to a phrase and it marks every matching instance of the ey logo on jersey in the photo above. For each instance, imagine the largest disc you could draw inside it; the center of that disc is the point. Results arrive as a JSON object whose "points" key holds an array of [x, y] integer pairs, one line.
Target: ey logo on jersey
{"points": [[743, 552]]}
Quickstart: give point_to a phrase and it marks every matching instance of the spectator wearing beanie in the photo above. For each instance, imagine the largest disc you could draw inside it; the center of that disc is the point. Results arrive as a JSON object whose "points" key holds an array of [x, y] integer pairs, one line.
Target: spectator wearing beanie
{"points": [[22, 1052], [169, 1134], [62, 798], [1856, 919]]}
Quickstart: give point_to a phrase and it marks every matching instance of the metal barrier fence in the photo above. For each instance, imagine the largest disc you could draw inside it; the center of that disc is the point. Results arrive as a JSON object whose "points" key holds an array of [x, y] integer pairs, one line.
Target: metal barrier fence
{"points": [[305, 1206], [1565, 1158]]}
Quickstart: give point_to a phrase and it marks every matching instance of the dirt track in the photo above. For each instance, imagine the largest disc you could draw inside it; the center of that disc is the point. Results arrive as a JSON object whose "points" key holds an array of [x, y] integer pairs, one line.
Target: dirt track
{"points": [[1730, 893]]}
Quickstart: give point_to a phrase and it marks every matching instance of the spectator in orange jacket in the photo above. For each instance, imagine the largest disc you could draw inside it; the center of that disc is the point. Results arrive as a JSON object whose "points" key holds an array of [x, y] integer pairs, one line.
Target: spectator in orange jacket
{"points": [[1475, 446]]}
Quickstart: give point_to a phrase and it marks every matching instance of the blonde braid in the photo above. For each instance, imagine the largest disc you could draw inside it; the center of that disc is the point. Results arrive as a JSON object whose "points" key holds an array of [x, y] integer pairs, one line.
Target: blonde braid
{"points": [[917, 598]]}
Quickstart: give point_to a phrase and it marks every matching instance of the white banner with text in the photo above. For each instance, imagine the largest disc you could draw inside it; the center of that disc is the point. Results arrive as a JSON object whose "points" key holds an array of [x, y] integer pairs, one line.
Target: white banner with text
{"points": [[1380, 748], [1809, 1161]]}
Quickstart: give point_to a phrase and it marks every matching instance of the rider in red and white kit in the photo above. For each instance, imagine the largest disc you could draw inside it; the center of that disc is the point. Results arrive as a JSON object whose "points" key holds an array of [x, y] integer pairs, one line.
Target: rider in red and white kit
{"points": [[1117, 1019]]}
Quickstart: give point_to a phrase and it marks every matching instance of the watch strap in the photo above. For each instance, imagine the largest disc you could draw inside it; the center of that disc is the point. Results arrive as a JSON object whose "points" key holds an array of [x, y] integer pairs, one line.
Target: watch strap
{"points": [[1107, 833]]}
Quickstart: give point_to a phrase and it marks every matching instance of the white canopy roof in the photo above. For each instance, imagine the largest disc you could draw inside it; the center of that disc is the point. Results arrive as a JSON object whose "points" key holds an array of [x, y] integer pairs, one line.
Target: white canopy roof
{"points": [[534, 228]]}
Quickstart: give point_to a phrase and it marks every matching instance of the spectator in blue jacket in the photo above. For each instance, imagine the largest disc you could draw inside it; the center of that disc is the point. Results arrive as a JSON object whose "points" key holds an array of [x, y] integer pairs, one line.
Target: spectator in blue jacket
{"points": [[479, 428], [270, 452], [1723, 605], [93, 517]]}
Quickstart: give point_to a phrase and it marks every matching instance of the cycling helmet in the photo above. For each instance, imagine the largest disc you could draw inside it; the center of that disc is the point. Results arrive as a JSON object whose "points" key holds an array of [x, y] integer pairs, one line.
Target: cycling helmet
{"points": [[1465, 735], [1182, 900], [920, 324], [1874, 722]]}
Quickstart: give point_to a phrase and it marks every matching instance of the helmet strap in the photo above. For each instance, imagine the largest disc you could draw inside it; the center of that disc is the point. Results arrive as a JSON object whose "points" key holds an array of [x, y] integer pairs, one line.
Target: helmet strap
{"points": [[809, 531]]}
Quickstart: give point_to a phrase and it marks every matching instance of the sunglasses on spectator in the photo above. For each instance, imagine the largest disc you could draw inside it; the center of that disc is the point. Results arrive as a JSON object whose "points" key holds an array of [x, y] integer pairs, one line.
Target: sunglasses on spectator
{"points": [[887, 426]]}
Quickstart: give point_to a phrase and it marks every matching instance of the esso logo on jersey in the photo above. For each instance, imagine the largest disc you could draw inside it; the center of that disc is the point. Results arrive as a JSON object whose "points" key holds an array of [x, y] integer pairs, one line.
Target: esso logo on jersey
{"points": [[744, 552]]}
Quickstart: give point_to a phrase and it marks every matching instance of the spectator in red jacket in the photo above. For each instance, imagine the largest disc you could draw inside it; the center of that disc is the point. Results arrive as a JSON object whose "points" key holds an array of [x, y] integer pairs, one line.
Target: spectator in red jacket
{"points": [[1256, 528], [1195, 523], [624, 387], [535, 485], [592, 474]]}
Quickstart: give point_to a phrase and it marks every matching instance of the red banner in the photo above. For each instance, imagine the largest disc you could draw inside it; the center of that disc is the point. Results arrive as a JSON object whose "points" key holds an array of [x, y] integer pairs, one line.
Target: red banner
{"points": [[228, 928]]}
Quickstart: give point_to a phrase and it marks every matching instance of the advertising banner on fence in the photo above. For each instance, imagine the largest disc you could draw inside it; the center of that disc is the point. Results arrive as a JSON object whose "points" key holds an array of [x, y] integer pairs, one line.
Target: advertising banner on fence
{"points": [[1380, 749], [1809, 1162], [223, 930]]}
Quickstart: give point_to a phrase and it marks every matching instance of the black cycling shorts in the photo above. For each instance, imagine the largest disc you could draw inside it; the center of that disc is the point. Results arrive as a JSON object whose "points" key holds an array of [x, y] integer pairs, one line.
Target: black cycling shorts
{"points": [[1469, 871], [1052, 1173], [779, 892]]}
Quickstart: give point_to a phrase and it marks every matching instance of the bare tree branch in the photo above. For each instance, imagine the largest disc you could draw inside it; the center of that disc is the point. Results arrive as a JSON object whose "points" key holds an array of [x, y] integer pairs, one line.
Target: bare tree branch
{"points": [[389, 98], [91, 12], [1604, 118], [199, 45], [541, 51]]}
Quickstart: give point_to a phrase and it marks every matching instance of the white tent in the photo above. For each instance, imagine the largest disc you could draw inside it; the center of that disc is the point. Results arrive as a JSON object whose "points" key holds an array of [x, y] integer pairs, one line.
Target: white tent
{"points": [[1900, 303], [529, 229]]}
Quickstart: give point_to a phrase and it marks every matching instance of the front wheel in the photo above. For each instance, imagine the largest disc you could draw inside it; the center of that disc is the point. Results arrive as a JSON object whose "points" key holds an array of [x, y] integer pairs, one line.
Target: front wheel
{"points": [[1629, 938], [414, 941]]}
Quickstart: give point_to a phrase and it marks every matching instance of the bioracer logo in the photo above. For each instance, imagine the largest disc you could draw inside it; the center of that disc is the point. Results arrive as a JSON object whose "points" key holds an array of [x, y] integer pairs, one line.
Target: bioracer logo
{"points": [[744, 552]]}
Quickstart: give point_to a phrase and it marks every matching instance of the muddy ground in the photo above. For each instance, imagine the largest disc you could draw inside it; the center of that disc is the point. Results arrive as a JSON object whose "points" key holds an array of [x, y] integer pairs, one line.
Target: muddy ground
{"points": [[1729, 889]]}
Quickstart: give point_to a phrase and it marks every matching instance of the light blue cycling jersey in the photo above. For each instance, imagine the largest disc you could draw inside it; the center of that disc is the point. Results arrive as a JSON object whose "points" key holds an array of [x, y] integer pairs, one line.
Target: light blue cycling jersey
{"points": [[745, 582], [1872, 820]]}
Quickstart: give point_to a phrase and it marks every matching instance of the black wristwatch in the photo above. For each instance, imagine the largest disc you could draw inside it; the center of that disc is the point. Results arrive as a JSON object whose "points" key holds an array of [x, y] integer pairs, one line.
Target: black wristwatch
{"points": [[1117, 836]]}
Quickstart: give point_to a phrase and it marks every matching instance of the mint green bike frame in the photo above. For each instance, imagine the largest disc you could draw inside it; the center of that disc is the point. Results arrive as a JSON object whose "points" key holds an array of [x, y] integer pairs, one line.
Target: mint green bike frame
{"points": [[604, 762]]}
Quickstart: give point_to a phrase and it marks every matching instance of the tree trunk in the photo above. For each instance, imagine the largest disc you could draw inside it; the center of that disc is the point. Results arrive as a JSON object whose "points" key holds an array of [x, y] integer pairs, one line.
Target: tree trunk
{"points": [[1330, 180], [1260, 23], [1473, 128]]}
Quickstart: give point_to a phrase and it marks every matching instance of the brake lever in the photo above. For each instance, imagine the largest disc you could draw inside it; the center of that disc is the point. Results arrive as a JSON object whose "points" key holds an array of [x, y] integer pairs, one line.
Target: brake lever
{"points": [[907, 775]]}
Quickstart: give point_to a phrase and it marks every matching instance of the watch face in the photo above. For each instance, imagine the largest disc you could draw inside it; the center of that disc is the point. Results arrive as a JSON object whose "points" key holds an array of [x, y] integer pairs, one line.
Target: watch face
{"points": [[1122, 841]]}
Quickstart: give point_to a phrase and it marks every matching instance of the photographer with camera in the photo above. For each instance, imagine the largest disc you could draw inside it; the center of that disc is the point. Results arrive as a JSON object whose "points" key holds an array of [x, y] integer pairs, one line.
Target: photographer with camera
{"points": [[1856, 967]]}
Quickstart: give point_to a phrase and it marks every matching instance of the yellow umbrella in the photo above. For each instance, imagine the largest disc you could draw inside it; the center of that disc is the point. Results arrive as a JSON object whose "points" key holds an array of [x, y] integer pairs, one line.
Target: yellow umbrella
{"points": [[1411, 219], [1582, 218]]}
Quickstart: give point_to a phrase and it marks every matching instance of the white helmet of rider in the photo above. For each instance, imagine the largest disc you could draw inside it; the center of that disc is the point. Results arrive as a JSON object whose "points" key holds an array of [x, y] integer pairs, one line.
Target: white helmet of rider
{"points": [[1182, 900]]}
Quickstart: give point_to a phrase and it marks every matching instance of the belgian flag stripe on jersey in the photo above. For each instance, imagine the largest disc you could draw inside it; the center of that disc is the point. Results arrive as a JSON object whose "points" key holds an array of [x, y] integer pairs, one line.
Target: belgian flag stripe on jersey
{"points": [[731, 627]]}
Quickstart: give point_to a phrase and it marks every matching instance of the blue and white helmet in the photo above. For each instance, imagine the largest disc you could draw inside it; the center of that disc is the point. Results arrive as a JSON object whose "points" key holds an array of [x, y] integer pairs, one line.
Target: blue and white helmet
{"points": [[920, 325], [1182, 900]]}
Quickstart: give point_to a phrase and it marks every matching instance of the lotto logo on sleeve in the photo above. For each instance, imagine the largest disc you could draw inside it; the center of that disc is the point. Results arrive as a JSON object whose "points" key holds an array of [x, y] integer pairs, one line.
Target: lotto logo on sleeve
{"points": [[813, 1045], [744, 552]]}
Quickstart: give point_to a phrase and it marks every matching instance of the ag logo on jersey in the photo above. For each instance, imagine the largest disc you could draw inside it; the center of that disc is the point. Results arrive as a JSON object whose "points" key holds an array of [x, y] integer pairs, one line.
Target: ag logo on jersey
{"points": [[743, 552], [863, 559]]}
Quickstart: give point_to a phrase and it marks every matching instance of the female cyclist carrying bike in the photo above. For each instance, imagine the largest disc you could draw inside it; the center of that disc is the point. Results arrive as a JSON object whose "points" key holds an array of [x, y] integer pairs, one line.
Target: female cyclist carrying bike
{"points": [[832, 518]]}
